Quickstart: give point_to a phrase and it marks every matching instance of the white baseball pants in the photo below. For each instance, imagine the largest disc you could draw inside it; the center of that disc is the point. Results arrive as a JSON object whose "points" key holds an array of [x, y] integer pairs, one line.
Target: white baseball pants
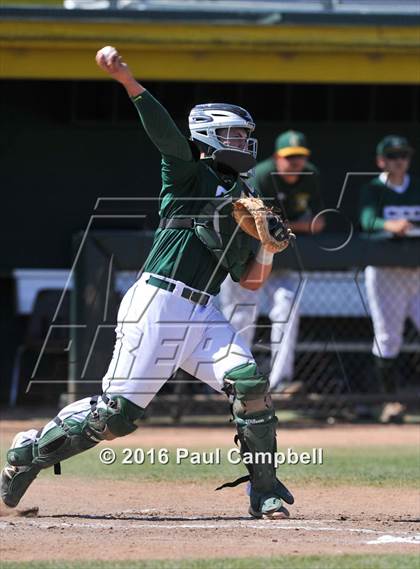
{"points": [[393, 294], [158, 332]]}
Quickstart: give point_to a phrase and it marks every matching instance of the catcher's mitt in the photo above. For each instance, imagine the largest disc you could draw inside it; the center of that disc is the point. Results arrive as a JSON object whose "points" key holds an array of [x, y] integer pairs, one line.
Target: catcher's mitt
{"points": [[262, 223]]}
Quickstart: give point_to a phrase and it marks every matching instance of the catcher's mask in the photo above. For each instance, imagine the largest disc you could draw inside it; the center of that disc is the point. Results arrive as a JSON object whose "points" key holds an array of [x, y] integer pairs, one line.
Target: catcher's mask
{"points": [[215, 127]]}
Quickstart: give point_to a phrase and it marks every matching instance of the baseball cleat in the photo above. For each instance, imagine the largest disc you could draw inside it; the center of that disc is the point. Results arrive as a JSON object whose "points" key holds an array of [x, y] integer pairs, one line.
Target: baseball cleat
{"points": [[282, 514], [271, 509], [15, 480], [267, 506]]}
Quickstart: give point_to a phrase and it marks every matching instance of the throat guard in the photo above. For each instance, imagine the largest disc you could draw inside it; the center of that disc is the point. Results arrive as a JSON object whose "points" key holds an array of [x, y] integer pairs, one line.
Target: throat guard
{"points": [[238, 160]]}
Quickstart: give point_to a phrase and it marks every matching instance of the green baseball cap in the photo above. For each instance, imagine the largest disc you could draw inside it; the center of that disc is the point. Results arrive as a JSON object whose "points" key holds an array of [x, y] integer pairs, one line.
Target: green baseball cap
{"points": [[393, 143], [291, 142]]}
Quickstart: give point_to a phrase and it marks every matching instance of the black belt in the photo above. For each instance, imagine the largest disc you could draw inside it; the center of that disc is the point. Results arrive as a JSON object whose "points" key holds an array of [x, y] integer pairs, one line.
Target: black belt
{"points": [[197, 297], [183, 223], [176, 223]]}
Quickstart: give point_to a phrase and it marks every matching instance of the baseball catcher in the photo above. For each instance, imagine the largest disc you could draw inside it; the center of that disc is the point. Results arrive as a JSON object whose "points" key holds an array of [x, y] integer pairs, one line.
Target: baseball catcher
{"points": [[210, 220]]}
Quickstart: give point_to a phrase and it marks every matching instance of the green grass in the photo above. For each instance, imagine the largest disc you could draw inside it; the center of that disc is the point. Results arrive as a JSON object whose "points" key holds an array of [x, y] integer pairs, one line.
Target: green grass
{"points": [[284, 562], [374, 466]]}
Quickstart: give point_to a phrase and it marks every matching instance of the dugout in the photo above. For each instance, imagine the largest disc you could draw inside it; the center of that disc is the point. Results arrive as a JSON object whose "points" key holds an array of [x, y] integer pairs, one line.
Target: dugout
{"points": [[345, 88]]}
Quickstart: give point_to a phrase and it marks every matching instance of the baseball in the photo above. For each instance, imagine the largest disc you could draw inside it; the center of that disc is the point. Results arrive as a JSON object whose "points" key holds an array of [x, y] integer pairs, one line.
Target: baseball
{"points": [[108, 51]]}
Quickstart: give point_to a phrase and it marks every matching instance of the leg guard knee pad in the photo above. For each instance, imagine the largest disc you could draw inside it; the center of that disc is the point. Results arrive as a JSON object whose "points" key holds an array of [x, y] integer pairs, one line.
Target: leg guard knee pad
{"points": [[256, 421], [245, 383], [69, 437], [31, 451], [249, 390], [120, 417]]}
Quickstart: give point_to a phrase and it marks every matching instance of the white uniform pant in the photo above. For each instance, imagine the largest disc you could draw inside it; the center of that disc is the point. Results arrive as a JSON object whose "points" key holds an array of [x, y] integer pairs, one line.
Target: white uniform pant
{"points": [[393, 294], [279, 299], [158, 332]]}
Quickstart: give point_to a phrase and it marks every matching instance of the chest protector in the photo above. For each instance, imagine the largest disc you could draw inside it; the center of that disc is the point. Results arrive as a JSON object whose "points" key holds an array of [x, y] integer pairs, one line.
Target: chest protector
{"points": [[218, 231], [215, 227]]}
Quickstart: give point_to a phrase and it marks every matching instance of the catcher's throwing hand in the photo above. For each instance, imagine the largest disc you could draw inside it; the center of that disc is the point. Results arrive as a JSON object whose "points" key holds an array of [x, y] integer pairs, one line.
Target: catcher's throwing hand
{"points": [[110, 61], [262, 223]]}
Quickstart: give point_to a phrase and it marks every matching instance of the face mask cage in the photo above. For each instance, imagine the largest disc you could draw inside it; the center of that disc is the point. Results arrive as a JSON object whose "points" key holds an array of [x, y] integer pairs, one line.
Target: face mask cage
{"points": [[210, 137], [229, 138]]}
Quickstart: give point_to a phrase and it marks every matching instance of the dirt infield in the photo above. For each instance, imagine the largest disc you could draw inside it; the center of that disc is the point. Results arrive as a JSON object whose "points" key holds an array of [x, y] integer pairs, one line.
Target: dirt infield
{"points": [[152, 520], [88, 519], [197, 436]]}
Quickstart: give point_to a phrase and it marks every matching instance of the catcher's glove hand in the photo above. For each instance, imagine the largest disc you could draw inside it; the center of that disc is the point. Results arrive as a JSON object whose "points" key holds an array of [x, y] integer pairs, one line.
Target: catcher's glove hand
{"points": [[262, 223]]}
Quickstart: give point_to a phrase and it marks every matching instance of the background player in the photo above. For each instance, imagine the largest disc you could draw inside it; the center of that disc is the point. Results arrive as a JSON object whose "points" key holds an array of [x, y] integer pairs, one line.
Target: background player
{"points": [[167, 319], [391, 203], [287, 180]]}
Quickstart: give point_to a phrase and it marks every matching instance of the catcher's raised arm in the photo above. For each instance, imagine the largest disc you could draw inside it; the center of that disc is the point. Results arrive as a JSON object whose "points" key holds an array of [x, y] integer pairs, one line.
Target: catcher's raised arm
{"points": [[155, 119]]}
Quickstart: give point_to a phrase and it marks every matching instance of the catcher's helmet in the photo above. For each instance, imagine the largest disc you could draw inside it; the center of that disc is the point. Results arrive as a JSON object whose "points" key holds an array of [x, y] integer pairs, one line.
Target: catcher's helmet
{"points": [[206, 121]]}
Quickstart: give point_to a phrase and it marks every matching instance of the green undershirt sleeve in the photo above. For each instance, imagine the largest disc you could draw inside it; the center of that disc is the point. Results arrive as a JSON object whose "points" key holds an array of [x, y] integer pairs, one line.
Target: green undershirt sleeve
{"points": [[369, 218], [161, 128]]}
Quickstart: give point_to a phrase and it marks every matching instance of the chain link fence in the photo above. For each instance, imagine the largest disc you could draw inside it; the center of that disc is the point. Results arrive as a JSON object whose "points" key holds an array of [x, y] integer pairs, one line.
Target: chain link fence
{"points": [[334, 375]]}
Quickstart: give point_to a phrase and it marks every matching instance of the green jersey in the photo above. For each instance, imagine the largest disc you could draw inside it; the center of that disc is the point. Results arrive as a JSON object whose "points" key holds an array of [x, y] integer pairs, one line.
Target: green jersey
{"points": [[299, 199], [379, 203], [187, 185]]}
